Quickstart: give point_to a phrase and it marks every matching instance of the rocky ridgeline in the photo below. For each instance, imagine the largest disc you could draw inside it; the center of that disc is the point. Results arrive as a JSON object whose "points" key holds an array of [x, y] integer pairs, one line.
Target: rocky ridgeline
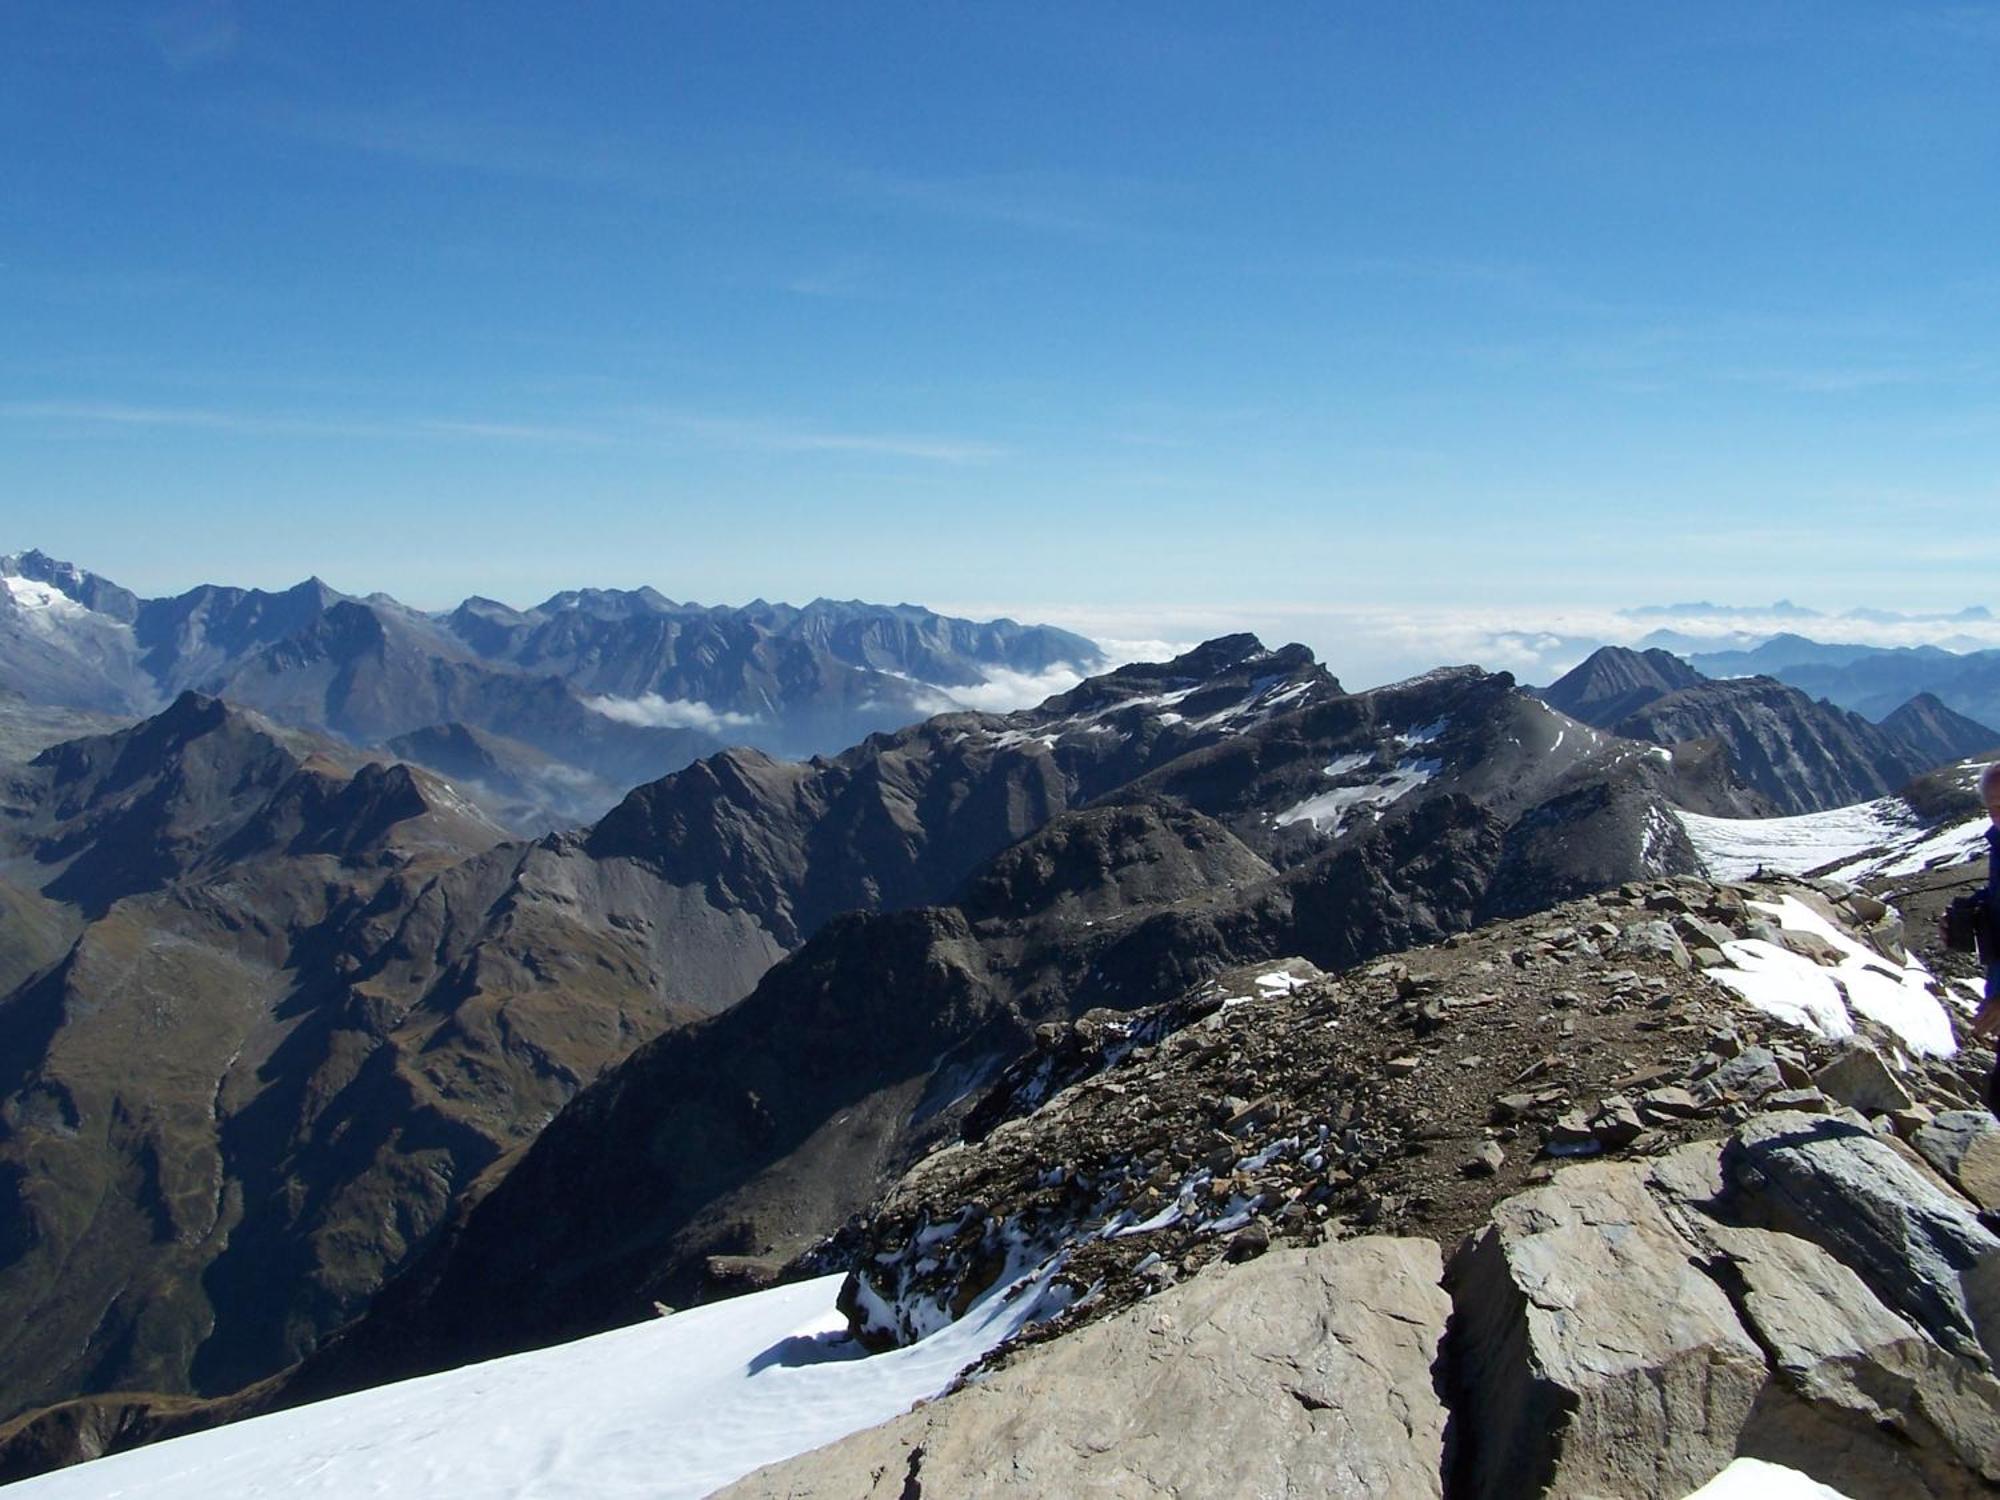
{"points": [[1674, 1230]]}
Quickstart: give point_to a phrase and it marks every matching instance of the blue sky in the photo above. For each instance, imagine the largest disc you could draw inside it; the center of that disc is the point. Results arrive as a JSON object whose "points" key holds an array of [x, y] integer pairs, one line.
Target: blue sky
{"points": [[1059, 308]]}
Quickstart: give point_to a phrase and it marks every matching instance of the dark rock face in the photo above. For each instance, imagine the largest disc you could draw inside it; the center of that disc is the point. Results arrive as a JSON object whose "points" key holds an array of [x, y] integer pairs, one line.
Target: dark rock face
{"points": [[1121, 842], [1935, 734], [1615, 681], [1796, 755], [1803, 756], [218, 1128]]}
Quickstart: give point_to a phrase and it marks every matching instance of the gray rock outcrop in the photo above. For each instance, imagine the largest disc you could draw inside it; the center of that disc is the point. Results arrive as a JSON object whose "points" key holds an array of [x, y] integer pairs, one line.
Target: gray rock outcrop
{"points": [[1596, 1359], [1304, 1372]]}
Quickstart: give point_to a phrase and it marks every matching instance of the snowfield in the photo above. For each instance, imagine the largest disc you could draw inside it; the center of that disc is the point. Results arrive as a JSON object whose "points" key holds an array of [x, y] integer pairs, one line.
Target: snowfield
{"points": [[41, 602], [1869, 839], [670, 1410]]}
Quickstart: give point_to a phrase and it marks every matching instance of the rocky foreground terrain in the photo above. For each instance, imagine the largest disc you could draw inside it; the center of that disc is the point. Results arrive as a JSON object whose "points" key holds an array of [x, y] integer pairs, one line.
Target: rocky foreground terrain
{"points": [[1548, 1208]]}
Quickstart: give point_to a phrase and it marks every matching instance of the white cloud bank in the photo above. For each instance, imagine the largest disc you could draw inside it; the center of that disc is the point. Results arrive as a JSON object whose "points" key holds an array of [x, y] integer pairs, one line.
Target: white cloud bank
{"points": [[651, 711], [1367, 645], [1005, 690]]}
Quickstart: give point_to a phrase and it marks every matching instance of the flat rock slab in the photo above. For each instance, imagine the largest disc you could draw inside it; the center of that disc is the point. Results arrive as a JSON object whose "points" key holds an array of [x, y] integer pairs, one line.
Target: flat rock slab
{"points": [[1596, 1358], [1305, 1372]]}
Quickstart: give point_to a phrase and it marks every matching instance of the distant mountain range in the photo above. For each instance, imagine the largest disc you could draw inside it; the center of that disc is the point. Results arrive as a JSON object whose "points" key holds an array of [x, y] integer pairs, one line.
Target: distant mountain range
{"points": [[546, 714]]}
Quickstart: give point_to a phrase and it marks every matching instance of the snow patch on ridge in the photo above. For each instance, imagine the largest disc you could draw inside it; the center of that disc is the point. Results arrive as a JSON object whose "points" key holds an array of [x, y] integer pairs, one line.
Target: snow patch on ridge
{"points": [[1329, 811], [42, 603], [1825, 999], [669, 1410]]}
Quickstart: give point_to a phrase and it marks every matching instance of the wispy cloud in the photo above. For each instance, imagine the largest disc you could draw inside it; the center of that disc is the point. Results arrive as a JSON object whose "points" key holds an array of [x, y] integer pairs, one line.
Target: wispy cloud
{"points": [[1030, 201], [651, 711], [1038, 202], [496, 147], [259, 424], [761, 434], [196, 33], [1837, 380], [784, 437]]}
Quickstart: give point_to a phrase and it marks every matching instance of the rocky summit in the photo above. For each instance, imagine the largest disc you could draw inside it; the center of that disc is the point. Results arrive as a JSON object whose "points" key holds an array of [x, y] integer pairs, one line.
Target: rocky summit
{"points": [[1549, 1209]]}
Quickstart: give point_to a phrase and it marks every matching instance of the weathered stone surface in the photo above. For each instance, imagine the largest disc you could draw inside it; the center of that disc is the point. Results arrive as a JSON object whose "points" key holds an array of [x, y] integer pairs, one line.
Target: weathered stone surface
{"points": [[1863, 1400], [1487, 1159], [1979, 1171], [1301, 1373], [1861, 1078], [1651, 939], [1810, 945], [1670, 1103], [1946, 1139], [1849, 1191], [1690, 1176], [1699, 932], [1596, 1359], [1749, 1076]]}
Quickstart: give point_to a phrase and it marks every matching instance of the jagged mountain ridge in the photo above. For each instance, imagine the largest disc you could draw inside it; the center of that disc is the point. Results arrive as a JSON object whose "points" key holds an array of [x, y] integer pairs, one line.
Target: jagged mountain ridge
{"points": [[1797, 755], [1135, 833], [457, 1000], [1936, 733], [716, 1151], [618, 687], [1873, 681], [1612, 682], [180, 1037]]}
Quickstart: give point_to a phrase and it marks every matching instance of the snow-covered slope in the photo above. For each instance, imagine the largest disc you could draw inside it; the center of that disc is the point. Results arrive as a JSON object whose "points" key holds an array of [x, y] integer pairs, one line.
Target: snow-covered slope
{"points": [[1869, 839], [672, 1408]]}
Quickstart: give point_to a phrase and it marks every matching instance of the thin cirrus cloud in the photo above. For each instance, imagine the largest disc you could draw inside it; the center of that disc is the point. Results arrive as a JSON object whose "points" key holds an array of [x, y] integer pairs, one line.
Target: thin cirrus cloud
{"points": [[786, 437], [258, 424], [1042, 203], [736, 432]]}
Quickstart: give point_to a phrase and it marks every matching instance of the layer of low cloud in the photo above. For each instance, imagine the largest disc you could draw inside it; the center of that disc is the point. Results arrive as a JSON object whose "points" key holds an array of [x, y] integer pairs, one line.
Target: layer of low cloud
{"points": [[1004, 691], [1367, 645], [651, 711]]}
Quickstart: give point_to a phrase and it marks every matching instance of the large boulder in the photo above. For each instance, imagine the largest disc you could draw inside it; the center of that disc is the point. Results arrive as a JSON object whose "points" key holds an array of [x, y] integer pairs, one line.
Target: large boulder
{"points": [[1305, 1372], [1595, 1358], [1920, 1248]]}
